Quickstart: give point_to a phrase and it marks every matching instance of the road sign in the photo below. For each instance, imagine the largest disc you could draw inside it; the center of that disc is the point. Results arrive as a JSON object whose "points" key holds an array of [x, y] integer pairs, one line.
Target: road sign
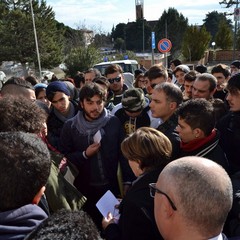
{"points": [[164, 45], [236, 14], [153, 40]]}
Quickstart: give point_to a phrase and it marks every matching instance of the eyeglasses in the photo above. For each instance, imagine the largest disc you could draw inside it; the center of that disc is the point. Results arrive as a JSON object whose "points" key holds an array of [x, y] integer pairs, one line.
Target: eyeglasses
{"points": [[153, 190], [142, 81], [117, 79]]}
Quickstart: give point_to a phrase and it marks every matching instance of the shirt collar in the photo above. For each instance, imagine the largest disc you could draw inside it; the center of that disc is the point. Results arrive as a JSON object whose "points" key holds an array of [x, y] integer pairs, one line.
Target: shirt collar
{"points": [[219, 237]]}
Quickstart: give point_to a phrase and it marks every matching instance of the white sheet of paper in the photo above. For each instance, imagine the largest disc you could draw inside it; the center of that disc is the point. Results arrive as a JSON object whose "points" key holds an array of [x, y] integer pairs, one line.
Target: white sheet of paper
{"points": [[107, 204], [97, 137]]}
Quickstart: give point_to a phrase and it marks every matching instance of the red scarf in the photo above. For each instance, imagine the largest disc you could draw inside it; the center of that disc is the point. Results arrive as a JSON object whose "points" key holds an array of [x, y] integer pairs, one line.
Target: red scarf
{"points": [[197, 143]]}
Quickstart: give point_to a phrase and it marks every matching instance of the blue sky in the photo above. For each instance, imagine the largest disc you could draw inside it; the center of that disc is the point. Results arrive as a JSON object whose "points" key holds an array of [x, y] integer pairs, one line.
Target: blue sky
{"points": [[101, 15]]}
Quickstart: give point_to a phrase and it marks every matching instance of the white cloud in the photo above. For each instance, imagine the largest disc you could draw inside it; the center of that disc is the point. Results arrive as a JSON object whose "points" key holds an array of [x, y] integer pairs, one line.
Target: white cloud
{"points": [[96, 13]]}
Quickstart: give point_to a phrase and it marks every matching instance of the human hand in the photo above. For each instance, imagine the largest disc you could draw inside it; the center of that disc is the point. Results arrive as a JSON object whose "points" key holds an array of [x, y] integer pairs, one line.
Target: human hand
{"points": [[109, 219], [92, 149]]}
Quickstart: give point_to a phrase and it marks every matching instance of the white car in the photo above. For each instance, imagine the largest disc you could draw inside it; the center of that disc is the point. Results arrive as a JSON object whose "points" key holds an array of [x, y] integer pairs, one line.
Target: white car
{"points": [[3, 77], [47, 74]]}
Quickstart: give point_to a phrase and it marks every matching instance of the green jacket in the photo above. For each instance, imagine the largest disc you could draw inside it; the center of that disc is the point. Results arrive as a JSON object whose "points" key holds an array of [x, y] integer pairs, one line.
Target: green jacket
{"points": [[60, 191]]}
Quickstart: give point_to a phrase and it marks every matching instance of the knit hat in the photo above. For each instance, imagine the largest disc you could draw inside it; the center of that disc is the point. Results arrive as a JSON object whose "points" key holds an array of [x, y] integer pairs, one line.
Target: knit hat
{"points": [[57, 86], [236, 64], [40, 85], [184, 68], [133, 100]]}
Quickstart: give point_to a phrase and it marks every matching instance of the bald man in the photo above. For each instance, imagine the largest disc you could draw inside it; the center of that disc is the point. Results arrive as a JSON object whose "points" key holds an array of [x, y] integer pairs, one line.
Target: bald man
{"points": [[193, 196]]}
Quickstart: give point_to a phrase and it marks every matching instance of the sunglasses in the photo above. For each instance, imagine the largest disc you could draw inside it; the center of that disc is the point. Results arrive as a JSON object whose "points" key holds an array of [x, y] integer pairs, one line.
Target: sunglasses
{"points": [[112, 80]]}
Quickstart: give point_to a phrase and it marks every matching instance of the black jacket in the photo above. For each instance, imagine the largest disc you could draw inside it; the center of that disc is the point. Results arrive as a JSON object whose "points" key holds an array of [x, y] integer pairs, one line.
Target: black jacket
{"points": [[210, 150], [229, 127], [137, 213], [168, 129]]}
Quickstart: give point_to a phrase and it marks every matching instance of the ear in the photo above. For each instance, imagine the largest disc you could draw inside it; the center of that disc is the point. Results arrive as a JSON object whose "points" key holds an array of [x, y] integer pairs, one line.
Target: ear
{"points": [[213, 91], [173, 105], [167, 208], [198, 133], [81, 104], [38, 196]]}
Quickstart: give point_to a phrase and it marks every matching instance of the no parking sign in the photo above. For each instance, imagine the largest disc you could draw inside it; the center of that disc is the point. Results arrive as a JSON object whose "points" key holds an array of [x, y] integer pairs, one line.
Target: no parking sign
{"points": [[164, 45]]}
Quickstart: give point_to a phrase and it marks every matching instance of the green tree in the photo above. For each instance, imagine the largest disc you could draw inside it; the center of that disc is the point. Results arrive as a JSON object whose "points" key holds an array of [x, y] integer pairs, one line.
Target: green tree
{"points": [[119, 44], [175, 24], [134, 35], [72, 38], [195, 43], [17, 36], [212, 20], [80, 59], [119, 31], [224, 36]]}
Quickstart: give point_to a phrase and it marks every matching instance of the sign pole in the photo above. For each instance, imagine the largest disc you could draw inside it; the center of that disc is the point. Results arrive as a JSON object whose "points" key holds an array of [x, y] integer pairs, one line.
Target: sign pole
{"points": [[166, 60], [153, 46]]}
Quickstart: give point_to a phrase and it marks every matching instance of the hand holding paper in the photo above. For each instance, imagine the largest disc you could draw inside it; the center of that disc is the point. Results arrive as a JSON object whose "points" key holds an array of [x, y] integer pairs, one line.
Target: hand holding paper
{"points": [[107, 204], [97, 137]]}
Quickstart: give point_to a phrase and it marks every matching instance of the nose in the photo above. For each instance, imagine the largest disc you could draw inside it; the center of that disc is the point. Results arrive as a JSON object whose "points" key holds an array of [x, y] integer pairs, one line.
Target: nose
{"points": [[150, 104], [95, 106], [177, 128], [228, 96]]}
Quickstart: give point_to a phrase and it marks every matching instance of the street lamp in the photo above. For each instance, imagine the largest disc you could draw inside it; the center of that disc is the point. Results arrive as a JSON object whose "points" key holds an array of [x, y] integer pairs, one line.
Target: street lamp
{"points": [[214, 55], [36, 40], [213, 45]]}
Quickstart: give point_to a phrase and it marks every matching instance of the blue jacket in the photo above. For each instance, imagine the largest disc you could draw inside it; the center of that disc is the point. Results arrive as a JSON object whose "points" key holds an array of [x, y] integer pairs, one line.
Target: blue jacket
{"points": [[17, 223]]}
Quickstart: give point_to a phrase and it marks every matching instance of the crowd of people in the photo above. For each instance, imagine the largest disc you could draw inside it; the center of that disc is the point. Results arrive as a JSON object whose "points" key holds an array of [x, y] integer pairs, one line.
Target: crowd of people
{"points": [[165, 142]]}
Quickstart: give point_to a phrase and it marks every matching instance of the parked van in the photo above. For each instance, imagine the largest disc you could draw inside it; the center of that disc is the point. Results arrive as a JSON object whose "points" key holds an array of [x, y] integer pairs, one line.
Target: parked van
{"points": [[127, 65]]}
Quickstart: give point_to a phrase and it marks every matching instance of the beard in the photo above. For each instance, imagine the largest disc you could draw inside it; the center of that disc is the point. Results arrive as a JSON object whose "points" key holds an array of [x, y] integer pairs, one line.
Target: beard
{"points": [[92, 115]]}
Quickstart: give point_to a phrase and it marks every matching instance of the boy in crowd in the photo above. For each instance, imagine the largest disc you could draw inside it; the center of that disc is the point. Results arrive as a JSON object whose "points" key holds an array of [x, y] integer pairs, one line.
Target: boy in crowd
{"points": [[24, 170]]}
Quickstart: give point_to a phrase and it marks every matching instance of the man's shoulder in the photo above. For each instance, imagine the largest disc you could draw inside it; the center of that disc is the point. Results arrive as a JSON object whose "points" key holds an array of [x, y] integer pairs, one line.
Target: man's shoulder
{"points": [[113, 120]]}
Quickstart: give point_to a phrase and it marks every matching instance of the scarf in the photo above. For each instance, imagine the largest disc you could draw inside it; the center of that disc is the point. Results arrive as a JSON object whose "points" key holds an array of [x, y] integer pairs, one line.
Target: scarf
{"points": [[197, 143], [70, 114], [87, 128]]}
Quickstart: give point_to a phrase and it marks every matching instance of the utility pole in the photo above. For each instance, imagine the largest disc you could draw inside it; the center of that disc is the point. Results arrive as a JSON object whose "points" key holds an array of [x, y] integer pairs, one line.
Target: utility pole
{"points": [[236, 16], [36, 40]]}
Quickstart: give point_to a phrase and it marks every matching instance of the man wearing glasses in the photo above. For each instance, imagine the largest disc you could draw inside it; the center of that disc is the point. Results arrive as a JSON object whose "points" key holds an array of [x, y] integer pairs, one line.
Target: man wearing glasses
{"points": [[114, 74], [192, 199], [155, 75]]}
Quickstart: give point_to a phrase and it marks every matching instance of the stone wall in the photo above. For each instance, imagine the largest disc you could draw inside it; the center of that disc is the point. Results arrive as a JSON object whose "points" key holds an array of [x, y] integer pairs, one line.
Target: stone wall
{"points": [[223, 55]]}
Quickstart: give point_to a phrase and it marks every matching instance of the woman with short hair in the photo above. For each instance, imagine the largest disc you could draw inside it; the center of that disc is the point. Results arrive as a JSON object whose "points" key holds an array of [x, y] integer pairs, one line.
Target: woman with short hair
{"points": [[148, 152]]}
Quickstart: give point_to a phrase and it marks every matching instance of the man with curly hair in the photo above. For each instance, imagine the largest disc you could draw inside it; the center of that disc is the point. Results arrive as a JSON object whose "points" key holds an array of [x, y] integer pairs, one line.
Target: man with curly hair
{"points": [[24, 170]]}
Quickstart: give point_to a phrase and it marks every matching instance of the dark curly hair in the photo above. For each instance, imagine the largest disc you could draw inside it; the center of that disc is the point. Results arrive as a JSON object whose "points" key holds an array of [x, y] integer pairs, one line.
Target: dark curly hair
{"points": [[20, 114], [66, 225], [24, 168]]}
